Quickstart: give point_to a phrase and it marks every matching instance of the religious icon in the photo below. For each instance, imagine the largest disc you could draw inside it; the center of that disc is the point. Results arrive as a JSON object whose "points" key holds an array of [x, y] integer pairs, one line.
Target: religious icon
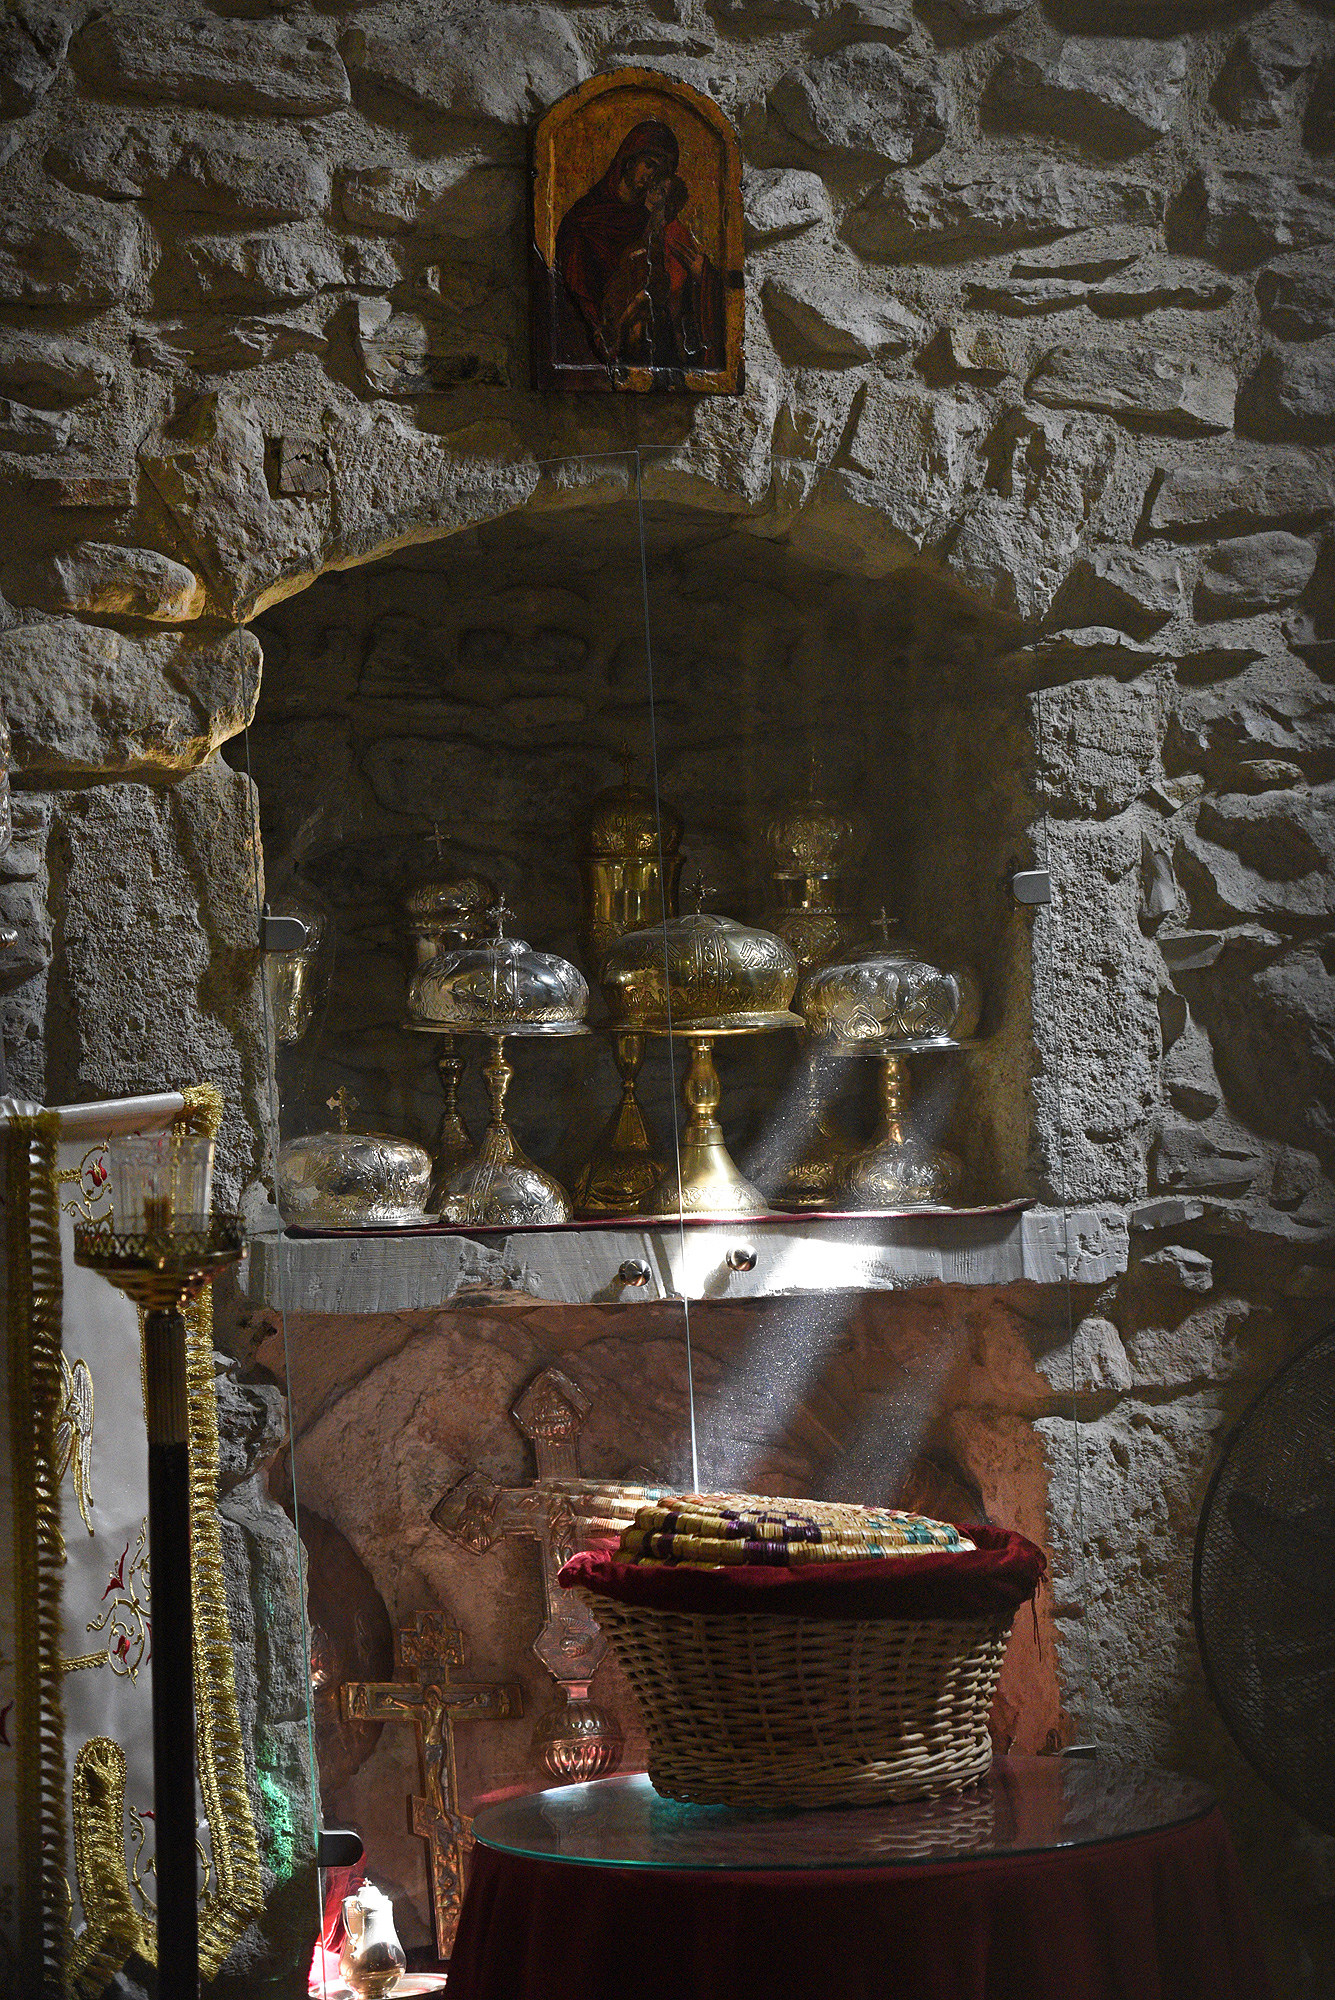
{"points": [[637, 240]]}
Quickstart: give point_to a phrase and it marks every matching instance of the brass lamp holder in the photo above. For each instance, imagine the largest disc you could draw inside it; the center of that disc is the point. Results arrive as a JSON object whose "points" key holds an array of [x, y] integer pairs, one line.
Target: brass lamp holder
{"points": [[162, 1271], [706, 1181], [897, 1170], [624, 1164]]}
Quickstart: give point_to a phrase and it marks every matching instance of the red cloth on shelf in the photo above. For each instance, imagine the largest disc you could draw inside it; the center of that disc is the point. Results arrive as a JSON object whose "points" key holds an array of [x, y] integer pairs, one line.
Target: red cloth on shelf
{"points": [[991, 1580], [1160, 1916]]}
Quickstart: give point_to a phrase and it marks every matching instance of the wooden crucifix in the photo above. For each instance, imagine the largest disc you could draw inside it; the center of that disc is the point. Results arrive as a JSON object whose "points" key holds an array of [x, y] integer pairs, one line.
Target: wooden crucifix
{"points": [[426, 1693]]}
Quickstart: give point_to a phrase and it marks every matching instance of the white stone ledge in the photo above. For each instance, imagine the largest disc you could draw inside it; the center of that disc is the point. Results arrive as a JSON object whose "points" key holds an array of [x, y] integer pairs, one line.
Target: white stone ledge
{"points": [[420, 1271]]}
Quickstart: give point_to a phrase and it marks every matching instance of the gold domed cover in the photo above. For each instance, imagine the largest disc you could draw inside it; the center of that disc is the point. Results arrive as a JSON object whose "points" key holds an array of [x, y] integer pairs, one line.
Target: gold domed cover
{"points": [[624, 820], [502, 987], [720, 976], [889, 994], [460, 903], [808, 836]]}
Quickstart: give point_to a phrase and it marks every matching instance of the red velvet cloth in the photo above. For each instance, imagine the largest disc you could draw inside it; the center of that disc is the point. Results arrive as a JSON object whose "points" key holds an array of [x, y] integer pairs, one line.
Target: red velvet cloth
{"points": [[992, 1580], [1161, 1916]]}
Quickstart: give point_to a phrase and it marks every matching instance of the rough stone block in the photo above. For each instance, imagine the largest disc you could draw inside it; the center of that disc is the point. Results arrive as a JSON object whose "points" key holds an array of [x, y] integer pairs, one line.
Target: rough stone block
{"points": [[865, 100], [1239, 217], [33, 41], [824, 318], [1284, 839], [961, 352], [457, 199], [1110, 95], [220, 65], [941, 217], [97, 491], [1176, 1264], [1269, 1024], [1298, 304], [273, 177], [1292, 393], [66, 371], [141, 1017], [1254, 573], [1276, 706], [1213, 1156], [1136, 591], [271, 268], [1235, 485], [403, 354], [216, 344], [780, 201], [1018, 536], [213, 482], [302, 469], [1123, 298], [1101, 741], [913, 456], [27, 430], [493, 67], [1138, 383], [86, 702], [1254, 89], [1319, 124], [106, 581], [69, 250]]}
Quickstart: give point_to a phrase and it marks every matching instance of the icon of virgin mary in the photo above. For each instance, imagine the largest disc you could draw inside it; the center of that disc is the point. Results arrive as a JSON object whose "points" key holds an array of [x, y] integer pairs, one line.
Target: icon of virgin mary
{"points": [[640, 290]]}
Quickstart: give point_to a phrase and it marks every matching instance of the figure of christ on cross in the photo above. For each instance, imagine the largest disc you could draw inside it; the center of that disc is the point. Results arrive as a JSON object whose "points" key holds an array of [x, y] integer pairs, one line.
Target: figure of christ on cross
{"points": [[426, 1693]]}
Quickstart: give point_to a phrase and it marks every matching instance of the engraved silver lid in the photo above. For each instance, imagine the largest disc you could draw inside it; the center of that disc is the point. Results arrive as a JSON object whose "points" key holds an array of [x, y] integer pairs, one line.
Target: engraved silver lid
{"points": [[343, 1179], [499, 987], [887, 992]]}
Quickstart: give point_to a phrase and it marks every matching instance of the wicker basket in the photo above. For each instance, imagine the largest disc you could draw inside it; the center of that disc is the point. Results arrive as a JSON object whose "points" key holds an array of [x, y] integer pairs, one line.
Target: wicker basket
{"points": [[755, 1709]]}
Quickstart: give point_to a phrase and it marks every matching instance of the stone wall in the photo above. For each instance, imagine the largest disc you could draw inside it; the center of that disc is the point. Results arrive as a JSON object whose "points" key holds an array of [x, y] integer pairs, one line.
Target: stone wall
{"points": [[1040, 327]]}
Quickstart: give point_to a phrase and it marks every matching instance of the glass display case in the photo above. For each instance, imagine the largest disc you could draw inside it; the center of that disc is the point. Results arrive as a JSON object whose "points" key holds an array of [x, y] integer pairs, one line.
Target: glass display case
{"points": [[651, 1109]]}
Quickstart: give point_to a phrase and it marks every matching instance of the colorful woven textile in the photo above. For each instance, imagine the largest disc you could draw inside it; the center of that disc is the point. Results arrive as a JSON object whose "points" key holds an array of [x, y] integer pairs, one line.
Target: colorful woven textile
{"points": [[748, 1529]]}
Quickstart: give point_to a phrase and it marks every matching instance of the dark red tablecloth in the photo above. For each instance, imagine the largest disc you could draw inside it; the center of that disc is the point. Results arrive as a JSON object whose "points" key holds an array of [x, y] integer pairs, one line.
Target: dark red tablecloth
{"points": [[1161, 1916]]}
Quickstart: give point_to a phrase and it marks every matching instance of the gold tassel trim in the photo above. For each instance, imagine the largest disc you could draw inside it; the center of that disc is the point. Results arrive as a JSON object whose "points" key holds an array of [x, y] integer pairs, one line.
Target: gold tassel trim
{"points": [[35, 1296]]}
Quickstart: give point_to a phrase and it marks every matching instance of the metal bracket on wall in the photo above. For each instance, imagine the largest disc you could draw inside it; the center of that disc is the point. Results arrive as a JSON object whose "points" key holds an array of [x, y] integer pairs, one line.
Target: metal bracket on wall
{"points": [[283, 933], [1032, 885]]}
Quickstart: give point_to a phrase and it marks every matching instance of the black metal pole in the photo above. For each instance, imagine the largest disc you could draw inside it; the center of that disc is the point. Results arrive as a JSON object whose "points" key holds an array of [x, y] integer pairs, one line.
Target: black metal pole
{"points": [[173, 1655]]}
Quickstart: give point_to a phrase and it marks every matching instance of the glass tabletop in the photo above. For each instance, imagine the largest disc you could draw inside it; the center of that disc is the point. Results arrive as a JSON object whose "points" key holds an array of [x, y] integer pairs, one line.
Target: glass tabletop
{"points": [[1025, 1805]]}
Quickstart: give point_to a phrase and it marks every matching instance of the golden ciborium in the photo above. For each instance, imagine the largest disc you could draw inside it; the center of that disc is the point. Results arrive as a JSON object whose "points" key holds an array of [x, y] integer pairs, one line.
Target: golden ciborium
{"points": [[890, 1002], [496, 989], [811, 846], [694, 979], [165, 1251], [630, 867]]}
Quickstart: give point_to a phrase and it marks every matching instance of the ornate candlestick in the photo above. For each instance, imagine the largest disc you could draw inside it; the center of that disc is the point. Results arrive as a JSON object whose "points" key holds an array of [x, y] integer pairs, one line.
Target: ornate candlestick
{"points": [[454, 1141], [167, 1252], [624, 1163]]}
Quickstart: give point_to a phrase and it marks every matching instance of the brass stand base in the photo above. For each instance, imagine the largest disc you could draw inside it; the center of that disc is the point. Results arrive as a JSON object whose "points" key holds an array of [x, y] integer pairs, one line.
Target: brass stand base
{"points": [[624, 1164], [895, 1170], [711, 1182], [501, 1187]]}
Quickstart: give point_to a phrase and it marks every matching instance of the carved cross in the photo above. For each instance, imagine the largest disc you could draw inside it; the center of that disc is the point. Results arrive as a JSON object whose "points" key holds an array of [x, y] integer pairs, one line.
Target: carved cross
{"points": [[478, 1511], [426, 1693]]}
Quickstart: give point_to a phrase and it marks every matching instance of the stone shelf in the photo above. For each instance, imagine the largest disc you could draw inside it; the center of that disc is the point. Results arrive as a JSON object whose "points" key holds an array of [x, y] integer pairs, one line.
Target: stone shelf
{"points": [[773, 1257]]}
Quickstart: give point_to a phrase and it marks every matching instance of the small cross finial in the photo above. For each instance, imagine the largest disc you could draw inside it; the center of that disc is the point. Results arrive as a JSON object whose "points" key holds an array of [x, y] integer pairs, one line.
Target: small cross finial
{"points": [[701, 891], [344, 1103], [883, 924], [500, 910], [814, 776], [435, 835], [626, 759]]}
